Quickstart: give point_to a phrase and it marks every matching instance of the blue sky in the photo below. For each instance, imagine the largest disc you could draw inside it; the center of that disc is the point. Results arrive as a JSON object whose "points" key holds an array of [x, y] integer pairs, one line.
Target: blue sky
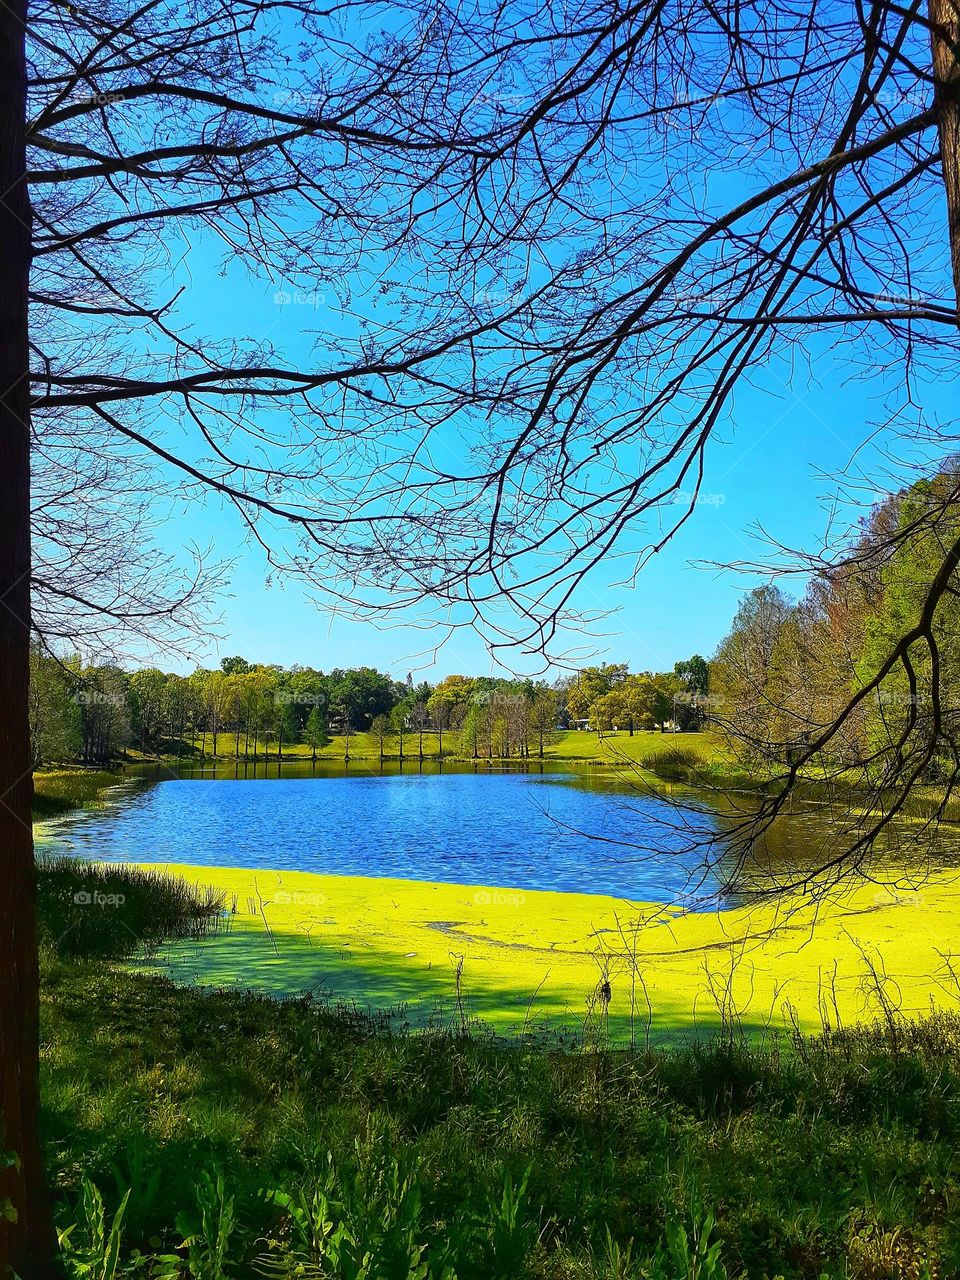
{"points": [[778, 468], [793, 447]]}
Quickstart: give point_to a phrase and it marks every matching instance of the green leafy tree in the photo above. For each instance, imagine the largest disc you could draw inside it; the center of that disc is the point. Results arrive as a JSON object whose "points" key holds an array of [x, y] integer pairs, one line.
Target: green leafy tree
{"points": [[316, 732], [399, 719], [365, 691], [285, 722], [382, 730], [471, 730], [234, 666], [543, 717], [692, 692], [743, 675], [582, 690], [147, 690], [922, 693], [55, 720]]}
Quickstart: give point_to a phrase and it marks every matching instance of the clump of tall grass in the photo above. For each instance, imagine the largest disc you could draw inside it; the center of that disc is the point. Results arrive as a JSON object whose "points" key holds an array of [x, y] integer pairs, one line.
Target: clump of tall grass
{"points": [[57, 791], [88, 909], [675, 764], [370, 1221]]}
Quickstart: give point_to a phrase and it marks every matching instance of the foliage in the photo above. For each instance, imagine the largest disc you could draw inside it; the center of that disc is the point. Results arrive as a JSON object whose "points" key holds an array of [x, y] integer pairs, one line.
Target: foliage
{"points": [[356, 1224], [315, 730], [9, 1160], [91, 1245], [57, 791], [55, 721], [581, 691], [207, 1234], [100, 712], [783, 679], [634, 702], [335, 1139], [675, 763]]}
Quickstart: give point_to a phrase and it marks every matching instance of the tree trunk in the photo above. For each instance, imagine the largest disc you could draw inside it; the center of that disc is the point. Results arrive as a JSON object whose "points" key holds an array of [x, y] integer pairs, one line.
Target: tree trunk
{"points": [[28, 1245], [945, 40]]}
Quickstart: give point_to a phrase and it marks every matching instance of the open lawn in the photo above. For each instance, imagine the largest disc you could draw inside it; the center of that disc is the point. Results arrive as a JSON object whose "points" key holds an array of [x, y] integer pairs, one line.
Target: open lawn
{"points": [[572, 745], [576, 744]]}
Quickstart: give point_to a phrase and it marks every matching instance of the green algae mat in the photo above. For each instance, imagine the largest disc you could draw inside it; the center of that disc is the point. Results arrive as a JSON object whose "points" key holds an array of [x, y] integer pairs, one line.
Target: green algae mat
{"points": [[520, 960]]}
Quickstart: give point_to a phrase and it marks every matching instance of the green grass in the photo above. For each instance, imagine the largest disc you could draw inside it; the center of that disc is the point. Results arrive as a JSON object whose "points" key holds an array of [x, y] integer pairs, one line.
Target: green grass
{"points": [[267, 1119], [639, 748], [86, 909], [572, 745], [57, 791]]}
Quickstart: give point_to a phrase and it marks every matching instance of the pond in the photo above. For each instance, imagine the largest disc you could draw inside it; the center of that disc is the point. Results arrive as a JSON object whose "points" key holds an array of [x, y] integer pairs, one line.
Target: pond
{"points": [[569, 828], [566, 828]]}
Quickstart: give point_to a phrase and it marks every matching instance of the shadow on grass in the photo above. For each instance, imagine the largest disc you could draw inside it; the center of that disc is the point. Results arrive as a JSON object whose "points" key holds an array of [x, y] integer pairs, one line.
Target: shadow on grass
{"points": [[811, 1155], [597, 1001]]}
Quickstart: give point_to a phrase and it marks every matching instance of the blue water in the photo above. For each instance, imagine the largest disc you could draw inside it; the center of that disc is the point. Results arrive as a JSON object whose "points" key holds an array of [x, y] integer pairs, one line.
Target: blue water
{"points": [[516, 830]]}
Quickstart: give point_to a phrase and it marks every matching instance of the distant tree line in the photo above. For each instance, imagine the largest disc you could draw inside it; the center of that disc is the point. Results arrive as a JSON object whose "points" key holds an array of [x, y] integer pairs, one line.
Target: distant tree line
{"points": [[94, 713]]}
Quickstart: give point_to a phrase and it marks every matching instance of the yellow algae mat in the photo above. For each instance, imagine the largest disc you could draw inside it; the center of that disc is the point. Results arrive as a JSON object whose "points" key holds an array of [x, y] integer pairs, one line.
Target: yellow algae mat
{"points": [[518, 959]]}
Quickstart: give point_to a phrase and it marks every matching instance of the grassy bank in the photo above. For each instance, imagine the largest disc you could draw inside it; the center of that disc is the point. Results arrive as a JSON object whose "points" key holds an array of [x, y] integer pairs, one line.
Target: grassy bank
{"points": [[222, 1135], [258, 1137], [87, 910], [58, 791]]}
